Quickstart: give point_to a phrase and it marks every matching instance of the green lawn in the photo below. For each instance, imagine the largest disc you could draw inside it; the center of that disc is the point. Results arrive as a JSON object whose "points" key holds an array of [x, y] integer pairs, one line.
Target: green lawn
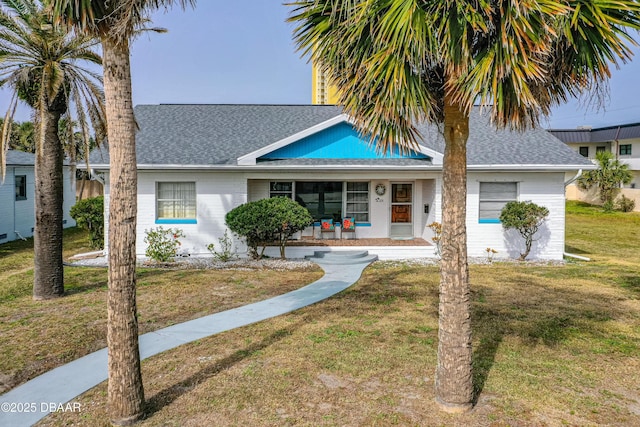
{"points": [[553, 345], [38, 336]]}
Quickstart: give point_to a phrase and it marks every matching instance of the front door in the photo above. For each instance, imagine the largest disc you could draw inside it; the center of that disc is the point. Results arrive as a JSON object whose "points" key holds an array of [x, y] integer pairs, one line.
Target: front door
{"points": [[401, 211]]}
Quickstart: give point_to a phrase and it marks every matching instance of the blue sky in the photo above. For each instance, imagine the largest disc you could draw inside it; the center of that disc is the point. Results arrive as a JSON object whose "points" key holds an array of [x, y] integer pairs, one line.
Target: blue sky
{"points": [[241, 52]]}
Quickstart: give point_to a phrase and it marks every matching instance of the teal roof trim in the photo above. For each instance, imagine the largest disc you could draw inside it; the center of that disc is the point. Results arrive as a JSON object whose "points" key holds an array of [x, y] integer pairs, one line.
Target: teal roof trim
{"points": [[341, 141]]}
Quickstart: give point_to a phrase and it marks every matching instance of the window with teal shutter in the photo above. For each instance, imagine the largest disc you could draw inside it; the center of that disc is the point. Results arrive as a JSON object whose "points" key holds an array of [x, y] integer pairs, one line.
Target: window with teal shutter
{"points": [[493, 197]]}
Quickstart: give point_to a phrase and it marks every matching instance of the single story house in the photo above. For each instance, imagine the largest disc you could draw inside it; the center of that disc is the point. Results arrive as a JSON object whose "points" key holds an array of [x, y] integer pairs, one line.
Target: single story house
{"points": [[17, 197], [197, 162]]}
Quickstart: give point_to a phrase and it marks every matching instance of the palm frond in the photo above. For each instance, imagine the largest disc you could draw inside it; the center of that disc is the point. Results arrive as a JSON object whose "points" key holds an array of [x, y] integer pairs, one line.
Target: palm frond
{"points": [[5, 135], [42, 65]]}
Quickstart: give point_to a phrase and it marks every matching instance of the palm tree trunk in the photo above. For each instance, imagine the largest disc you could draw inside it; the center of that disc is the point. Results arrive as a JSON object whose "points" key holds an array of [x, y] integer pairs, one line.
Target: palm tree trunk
{"points": [[48, 280], [81, 192], [454, 381], [125, 391]]}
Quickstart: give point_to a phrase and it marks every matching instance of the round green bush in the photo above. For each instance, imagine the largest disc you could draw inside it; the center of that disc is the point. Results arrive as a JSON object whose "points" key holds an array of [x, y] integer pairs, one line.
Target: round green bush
{"points": [[89, 214], [268, 221]]}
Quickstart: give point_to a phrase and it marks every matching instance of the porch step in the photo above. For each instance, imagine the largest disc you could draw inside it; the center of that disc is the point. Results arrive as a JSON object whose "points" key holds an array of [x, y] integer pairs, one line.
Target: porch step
{"points": [[342, 257]]}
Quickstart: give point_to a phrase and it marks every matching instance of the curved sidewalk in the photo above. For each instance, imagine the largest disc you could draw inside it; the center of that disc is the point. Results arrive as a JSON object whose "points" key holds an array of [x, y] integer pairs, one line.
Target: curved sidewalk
{"points": [[30, 402]]}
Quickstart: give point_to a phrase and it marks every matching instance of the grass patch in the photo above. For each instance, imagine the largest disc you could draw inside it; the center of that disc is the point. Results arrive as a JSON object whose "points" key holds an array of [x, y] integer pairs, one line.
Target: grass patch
{"points": [[553, 345], [38, 336]]}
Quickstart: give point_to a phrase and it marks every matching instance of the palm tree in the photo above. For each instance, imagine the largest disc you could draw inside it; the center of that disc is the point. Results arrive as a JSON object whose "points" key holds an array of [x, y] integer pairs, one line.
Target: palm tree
{"points": [[40, 64], [397, 63], [14, 136], [114, 23], [26, 137], [610, 174]]}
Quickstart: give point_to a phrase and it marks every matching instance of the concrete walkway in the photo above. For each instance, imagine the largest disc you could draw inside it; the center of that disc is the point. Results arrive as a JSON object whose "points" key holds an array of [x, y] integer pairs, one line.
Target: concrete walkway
{"points": [[27, 404]]}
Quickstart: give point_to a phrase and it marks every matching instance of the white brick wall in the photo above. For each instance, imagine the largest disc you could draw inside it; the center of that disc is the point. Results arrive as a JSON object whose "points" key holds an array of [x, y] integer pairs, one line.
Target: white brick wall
{"points": [[545, 189], [7, 206], [219, 192], [19, 215]]}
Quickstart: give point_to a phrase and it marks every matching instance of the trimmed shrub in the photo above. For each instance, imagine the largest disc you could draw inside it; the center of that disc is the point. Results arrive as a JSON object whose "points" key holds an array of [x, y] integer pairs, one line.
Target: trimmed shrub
{"points": [[89, 214], [526, 218], [266, 221], [162, 243], [625, 204]]}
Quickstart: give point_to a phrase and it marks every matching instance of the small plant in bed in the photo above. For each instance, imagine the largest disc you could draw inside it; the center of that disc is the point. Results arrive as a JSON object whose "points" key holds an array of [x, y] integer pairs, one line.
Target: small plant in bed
{"points": [[227, 252], [162, 243]]}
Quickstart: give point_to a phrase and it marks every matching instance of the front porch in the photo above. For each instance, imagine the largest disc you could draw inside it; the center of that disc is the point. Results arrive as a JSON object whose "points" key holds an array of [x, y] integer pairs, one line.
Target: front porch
{"points": [[384, 248]]}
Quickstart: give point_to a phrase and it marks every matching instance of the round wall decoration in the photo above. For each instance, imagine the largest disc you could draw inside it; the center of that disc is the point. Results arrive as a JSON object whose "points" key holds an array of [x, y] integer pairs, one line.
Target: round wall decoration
{"points": [[381, 189]]}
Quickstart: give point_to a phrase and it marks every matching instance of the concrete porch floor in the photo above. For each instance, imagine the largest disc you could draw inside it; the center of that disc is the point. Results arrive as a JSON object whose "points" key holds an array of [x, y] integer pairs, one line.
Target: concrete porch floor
{"points": [[350, 241], [384, 248]]}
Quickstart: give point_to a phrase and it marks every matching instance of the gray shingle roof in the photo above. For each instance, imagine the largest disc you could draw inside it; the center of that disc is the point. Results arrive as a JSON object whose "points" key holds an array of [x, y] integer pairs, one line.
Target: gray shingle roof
{"points": [[490, 146], [20, 158], [219, 134]]}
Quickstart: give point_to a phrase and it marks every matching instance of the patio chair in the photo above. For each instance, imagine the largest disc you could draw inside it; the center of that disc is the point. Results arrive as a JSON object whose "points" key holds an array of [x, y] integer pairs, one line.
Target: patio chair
{"points": [[327, 226], [348, 226]]}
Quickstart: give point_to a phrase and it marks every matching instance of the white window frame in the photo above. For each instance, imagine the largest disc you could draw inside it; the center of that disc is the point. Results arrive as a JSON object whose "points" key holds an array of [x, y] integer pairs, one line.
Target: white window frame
{"points": [[345, 198], [280, 193], [176, 220], [346, 212], [485, 219]]}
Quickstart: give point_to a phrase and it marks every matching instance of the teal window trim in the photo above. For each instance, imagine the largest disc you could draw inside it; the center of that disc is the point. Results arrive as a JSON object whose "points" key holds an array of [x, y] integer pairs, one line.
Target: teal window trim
{"points": [[176, 221], [489, 221]]}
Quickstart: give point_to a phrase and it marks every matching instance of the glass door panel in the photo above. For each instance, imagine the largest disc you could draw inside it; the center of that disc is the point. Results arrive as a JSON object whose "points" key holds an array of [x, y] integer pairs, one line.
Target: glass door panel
{"points": [[401, 211]]}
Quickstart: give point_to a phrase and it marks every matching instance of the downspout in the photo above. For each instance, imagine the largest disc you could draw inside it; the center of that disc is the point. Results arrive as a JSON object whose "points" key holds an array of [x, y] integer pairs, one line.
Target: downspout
{"points": [[617, 142], [581, 258], [96, 176], [572, 180]]}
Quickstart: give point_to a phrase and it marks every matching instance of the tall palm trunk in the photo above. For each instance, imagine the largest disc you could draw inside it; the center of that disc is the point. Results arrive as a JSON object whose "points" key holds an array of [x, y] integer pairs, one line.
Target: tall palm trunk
{"points": [[48, 280], [125, 391], [454, 381]]}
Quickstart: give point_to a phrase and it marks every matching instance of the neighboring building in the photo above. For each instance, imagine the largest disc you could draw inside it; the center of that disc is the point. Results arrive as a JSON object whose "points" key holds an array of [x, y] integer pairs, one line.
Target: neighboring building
{"points": [[322, 92], [17, 197], [197, 162], [622, 140]]}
